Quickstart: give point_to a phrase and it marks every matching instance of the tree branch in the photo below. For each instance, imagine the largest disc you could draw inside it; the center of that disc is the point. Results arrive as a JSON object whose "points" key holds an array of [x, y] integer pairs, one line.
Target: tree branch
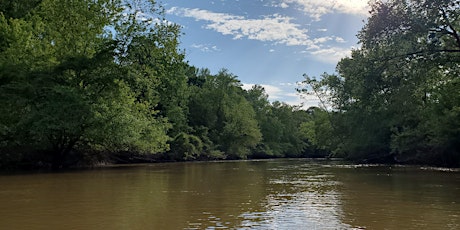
{"points": [[419, 52], [454, 32]]}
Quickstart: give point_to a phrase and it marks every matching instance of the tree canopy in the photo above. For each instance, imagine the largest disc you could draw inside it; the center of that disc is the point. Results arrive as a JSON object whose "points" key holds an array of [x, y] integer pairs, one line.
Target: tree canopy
{"points": [[394, 99]]}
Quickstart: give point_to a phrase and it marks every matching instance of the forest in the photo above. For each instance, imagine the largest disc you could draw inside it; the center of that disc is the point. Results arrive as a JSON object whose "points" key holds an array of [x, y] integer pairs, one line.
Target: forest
{"points": [[87, 82]]}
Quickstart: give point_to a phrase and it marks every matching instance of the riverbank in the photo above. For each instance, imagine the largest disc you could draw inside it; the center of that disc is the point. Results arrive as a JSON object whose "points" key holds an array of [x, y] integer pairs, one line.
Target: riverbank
{"points": [[110, 160]]}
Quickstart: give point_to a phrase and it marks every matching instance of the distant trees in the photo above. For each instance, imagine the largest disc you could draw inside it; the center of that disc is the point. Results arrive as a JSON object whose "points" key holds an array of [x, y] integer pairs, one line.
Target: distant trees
{"points": [[394, 98]]}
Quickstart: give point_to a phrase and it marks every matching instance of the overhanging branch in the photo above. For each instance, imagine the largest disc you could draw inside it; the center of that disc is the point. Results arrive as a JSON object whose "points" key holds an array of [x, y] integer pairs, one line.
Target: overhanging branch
{"points": [[418, 53]]}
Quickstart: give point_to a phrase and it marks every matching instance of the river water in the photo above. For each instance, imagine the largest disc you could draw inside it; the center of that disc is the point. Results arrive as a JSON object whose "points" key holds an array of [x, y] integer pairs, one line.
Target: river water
{"points": [[269, 194]]}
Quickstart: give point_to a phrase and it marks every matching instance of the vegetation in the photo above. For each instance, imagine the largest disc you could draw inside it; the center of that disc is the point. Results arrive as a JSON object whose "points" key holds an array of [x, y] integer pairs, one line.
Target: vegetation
{"points": [[396, 99], [108, 82]]}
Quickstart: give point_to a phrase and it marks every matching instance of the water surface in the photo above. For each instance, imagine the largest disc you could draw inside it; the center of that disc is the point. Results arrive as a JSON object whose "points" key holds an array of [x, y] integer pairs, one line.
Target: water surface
{"points": [[272, 194]]}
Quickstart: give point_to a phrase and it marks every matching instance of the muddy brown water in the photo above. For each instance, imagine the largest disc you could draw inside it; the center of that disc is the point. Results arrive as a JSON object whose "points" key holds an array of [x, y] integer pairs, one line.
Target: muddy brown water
{"points": [[269, 194]]}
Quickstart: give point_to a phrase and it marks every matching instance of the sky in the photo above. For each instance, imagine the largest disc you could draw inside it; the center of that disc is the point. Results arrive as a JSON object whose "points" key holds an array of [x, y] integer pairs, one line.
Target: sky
{"points": [[272, 43]]}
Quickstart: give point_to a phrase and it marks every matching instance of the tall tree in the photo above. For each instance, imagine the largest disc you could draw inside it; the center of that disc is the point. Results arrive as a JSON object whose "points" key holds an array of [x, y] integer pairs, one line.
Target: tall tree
{"points": [[65, 89], [389, 92], [220, 107]]}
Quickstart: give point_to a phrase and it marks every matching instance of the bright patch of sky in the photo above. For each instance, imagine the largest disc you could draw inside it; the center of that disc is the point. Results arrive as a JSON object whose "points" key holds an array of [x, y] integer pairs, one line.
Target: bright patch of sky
{"points": [[270, 43]]}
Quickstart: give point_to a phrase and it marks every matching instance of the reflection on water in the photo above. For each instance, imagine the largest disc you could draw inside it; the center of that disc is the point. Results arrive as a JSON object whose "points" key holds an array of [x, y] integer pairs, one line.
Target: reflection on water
{"points": [[273, 194], [301, 197]]}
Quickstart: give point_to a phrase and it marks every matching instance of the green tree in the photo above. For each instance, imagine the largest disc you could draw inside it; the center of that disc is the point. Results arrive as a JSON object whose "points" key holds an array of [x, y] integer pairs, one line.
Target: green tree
{"points": [[65, 90], [18, 8], [158, 69], [220, 108], [388, 93], [270, 126], [280, 125], [318, 130], [292, 142]]}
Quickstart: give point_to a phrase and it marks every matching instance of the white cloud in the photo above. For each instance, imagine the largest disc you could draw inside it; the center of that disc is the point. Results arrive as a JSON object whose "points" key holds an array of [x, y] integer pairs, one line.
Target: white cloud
{"points": [[283, 5], [205, 47], [328, 38], [332, 54], [322, 39], [274, 28], [317, 8], [340, 40]]}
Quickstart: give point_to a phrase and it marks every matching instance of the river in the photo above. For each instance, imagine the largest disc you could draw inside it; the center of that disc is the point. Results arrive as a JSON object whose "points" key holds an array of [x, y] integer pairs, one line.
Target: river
{"points": [[268, 194]]}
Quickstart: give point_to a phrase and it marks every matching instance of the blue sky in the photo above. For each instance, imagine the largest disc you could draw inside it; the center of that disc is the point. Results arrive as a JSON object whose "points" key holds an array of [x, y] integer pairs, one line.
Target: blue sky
{"points": [[269, 42]]}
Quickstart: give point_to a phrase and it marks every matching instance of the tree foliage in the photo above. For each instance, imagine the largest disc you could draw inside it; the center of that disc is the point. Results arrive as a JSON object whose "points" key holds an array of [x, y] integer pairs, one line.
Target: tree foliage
{"points": [[394, 96], [71, 92], [220, 107]]}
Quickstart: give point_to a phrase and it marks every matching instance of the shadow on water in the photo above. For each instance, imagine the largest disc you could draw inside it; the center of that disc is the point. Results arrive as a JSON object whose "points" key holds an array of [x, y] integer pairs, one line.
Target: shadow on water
{"points": [[384, 197]]}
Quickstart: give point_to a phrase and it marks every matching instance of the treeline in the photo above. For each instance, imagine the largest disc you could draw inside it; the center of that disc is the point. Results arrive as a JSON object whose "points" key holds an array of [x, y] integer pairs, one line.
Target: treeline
{"points": [[397, 98], [89, 81], [84, 82]]}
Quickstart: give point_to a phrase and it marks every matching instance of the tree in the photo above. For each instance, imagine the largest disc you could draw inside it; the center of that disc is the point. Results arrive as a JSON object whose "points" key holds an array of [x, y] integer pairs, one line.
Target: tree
{"points": [[18, 8], [270, 126], [387, 93], [66, 90], [319, 132], [219, 107]]}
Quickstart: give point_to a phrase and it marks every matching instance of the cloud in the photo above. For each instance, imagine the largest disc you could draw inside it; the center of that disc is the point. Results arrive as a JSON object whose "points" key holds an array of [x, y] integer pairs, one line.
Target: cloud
{"points": [[328, 38], [205, 47], [274, 28], [332, 54], [340, 40], [322, 39], [288, 84], [317, 8]]}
